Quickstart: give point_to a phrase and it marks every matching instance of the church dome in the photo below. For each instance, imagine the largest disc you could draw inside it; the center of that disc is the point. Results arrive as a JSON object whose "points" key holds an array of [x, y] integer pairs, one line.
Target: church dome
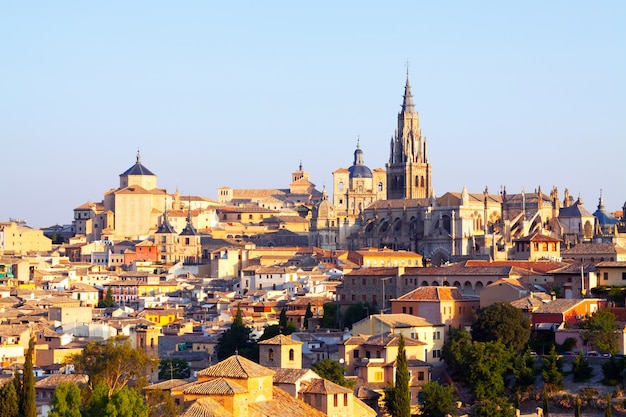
{"points": [[358, 169], [137, 169]]}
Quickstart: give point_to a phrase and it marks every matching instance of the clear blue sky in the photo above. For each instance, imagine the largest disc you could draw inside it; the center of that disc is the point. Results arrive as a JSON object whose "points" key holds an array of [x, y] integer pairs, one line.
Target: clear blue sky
{"points": [[521, 94]]}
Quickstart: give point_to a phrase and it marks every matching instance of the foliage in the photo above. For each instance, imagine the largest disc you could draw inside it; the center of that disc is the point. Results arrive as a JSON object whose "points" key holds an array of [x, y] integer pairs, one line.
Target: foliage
{"points": [[487, 364], [577, 411], [358, 311], [308, 314], [174, 369], [66, 401], [581, 369], [125, 402], [504, 323], [567, 346], [108, 300], [236, 339], [524, 369], [497, 407], [546, 405], [454, 352], [599, 330], [115, 363], [552, 369], [161, 404], [612, 370], [9, 400], [398, 396], [608, 411], [437, 400], [27, 398], [330, 317], [332, 371]]}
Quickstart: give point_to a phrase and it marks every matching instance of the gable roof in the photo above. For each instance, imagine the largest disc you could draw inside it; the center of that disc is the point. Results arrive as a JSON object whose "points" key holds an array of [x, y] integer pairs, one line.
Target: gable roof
{"points": [[280, 340]]}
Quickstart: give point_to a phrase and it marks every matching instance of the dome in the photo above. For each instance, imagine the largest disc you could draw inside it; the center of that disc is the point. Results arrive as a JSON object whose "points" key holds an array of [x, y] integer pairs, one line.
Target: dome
{"points": [[358, 169]]}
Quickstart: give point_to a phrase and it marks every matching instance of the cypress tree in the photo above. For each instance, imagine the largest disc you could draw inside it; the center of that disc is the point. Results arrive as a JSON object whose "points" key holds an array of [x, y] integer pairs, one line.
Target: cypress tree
{"points": [[9, 400], [28, 404], [402, 394], [307, 315]]}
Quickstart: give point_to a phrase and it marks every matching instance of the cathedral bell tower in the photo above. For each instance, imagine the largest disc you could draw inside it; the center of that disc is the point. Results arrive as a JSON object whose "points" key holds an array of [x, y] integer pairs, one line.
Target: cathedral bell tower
{"points": [[408, 171]]}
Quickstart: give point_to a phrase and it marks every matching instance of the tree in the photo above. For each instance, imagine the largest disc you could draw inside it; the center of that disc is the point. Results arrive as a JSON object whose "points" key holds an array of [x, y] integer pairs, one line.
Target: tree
{"points": [[497, 407], [581, 369], [108, 300], [504, 323], [330, 318], [552, 369], [66, 401], [236, 339], [487, 364], [545, 405], [612, 370], [27, 398], [332, 371], [398, 396], [524, 369], [308, 314], [608, 411], [455, 350], [437, 400], [174, 369], [161, 404], [125, 402], [358, 311], [599, 331], [9, 401], [577, 407], [115, 363]]}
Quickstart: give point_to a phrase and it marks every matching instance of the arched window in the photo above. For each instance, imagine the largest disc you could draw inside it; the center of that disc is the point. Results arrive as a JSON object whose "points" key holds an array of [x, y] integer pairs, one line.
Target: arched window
{"points": [[340, 185], [270, 355], [291, 355]]}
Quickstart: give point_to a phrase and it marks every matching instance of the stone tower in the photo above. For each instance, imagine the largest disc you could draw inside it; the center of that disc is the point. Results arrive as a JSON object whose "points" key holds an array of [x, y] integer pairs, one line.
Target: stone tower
{"points": [[280, 352], [408, 171]]}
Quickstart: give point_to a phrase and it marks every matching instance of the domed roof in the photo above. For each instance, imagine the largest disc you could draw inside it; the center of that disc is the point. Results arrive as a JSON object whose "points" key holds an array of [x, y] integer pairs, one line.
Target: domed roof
{"points": [[358, 169], [603, 217]]}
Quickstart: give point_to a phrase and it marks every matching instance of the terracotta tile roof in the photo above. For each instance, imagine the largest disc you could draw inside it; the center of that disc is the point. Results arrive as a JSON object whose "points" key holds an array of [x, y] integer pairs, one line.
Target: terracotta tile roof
{"points": [[560, 305], [611, 264], [537, 237], [591, 248], [401, 320], [219, 386], [459, 269], [434, 294], [280, 340], [382, 271], [283, 405], [236, 366], [290, 376], [167, 385], [324, 386], [53, 380], [538, 266], [394, 204], [206, 407]]}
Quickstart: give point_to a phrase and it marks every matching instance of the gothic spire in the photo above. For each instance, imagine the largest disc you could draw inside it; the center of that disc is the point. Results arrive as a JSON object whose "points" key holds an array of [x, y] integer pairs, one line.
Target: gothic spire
{"points": [[407, 102]]}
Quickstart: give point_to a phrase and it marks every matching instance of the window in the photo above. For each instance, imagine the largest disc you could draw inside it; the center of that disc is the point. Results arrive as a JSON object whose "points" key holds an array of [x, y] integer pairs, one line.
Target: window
{"points": [[606, 276], [623, 276], [291, 355], [378, 376], [270, 355], [436, 353], [355, 354], [404, 310], [420, 376], [345, 400], [353, 297], [335, 402], [436, 335]]}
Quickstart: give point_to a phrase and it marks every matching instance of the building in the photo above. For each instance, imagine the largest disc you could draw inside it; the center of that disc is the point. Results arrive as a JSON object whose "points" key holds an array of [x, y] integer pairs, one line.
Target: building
{"points": [[280, 352], [19, 239]]}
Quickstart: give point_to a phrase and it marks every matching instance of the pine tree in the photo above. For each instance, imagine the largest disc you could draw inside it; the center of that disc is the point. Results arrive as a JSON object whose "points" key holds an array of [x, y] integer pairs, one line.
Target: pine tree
{"points": [[552, 369], [9, 400], [307, 315], [398, 397], [282, 320], [108, 300], [236, 339], [28, 405]]}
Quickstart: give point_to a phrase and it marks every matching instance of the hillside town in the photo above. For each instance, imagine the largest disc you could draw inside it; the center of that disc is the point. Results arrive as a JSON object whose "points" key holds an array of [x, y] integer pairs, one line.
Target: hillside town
{"points": [[374, 272]]}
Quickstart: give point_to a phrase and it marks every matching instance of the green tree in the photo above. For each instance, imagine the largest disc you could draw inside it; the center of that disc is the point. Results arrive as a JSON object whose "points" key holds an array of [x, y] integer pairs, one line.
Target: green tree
{"points": [[398, 396], [332, 371], [9, 401], [487, 364], [174, 369], [358, 311], [552, 369], [524, 369], [28, 404], [495, 407], [437, 400], [125, 402], [308, 314], [504, 323], [115, 363], [108, 300], [612, 369], [161, 404], [455, 350], [608, 411], [66, 401], [581, 369], [599, 330], [546, 405], [330, 319], [238, 338], [577, 407]]}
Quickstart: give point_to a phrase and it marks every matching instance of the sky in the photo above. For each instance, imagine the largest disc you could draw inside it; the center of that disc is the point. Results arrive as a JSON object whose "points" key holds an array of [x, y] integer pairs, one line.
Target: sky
{"points": [[239, 93]]}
